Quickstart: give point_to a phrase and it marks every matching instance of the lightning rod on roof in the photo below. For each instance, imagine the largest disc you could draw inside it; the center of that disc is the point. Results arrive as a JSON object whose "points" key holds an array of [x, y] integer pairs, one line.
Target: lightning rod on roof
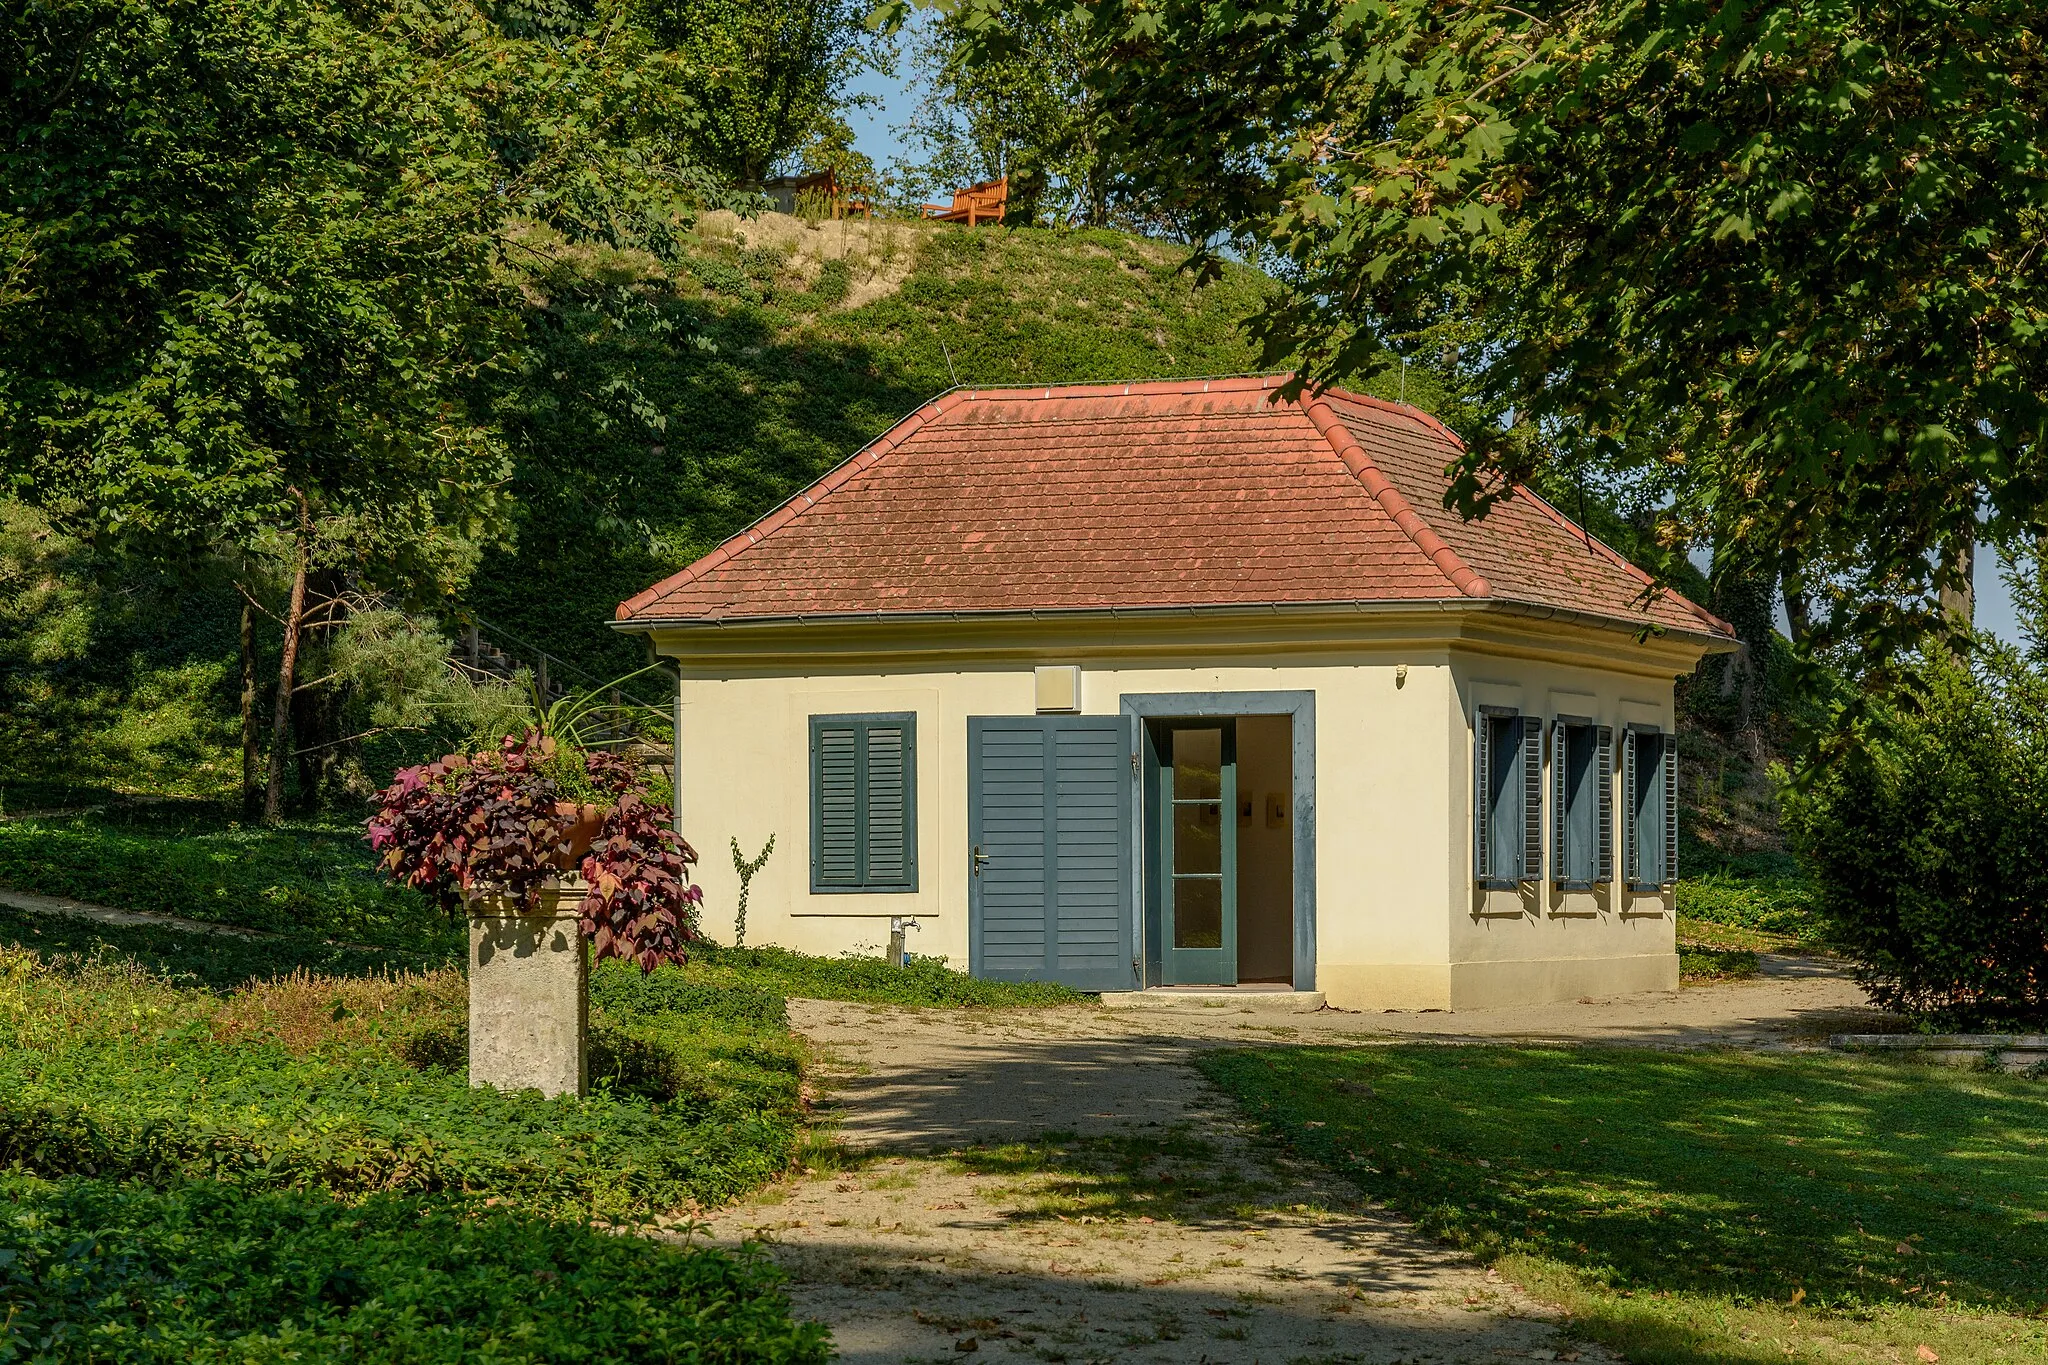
{"points": [[949, 363]]}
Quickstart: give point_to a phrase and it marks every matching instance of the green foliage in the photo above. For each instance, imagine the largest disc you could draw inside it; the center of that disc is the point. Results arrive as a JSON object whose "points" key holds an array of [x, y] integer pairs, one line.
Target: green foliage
{"points": [[1670, 1192], [93, 1270], [764, 72], [112, 668], [1764, 258], [219, 961], [925, 981], [1767, 892], [1701, 963], [354, 1086], [1924, 834], [303, 879]]}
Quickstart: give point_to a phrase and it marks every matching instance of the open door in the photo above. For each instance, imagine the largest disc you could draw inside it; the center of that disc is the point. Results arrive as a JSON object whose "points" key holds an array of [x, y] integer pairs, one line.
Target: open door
{"points": [[1195, 802], [1050, 833]]}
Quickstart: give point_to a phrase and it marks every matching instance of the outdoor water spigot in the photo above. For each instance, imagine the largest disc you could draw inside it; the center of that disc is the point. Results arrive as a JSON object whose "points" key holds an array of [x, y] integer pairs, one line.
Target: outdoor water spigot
{"points": [[898, 955]]}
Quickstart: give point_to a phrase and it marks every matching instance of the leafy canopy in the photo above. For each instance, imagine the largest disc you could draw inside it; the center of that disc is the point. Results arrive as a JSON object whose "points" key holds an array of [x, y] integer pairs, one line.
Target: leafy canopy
{"points": [[1784, 257], [252, 246]]}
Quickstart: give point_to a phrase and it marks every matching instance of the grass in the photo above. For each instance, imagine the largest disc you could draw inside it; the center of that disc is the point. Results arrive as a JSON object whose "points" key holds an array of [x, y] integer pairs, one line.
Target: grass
{"points": [[352, 1086], [1701, 963], [96, 1271], [313, 879], [925, 981], [1701, 1208]]}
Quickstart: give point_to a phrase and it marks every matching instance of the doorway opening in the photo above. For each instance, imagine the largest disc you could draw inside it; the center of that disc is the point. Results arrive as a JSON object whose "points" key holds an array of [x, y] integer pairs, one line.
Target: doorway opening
{"points": [[1221, 833]]}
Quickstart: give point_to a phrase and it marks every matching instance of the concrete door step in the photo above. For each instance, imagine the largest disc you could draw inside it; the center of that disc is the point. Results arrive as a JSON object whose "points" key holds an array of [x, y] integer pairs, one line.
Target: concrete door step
{"points": [[1259, 999]]}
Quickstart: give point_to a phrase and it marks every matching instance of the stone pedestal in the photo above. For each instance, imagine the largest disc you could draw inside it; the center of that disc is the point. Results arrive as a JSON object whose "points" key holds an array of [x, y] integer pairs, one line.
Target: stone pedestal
{"points": [[529, 993]]}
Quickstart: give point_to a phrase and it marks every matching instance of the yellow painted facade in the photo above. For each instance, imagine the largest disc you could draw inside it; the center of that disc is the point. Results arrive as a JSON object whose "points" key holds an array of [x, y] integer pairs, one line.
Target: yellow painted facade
{"points": [[1399, 921]]}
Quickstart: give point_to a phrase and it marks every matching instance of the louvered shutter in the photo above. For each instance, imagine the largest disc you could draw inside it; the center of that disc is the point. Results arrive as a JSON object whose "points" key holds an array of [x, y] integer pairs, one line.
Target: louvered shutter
{"points": [[1603, 768], [1560, 762], [1669, 755], [864, 803], [1532, 798], [887, 810], [1631, 873], [1482, 796], [835, 814]]}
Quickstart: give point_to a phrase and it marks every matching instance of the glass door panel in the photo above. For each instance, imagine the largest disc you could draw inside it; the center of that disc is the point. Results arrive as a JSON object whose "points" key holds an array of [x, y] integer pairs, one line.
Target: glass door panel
{"points": [[1198, 837]]}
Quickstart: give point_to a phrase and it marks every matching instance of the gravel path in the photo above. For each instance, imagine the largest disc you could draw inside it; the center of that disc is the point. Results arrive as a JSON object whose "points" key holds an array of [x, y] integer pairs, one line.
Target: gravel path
{"points": [[1151, 1226]]}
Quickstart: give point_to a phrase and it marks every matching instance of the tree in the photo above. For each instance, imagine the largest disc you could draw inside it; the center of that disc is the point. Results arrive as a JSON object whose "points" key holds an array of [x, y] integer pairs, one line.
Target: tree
{"points": [[1809, 231], [257, 273], [765, 73]]}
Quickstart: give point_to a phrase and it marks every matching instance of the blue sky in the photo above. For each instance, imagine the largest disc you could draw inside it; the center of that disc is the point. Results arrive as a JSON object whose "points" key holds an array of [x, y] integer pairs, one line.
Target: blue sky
{"points": [[875, 135]]}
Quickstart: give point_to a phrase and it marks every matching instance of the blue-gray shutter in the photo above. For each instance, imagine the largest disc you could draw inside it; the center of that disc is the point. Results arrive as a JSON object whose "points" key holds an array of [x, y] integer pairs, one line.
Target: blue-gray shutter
{"points": [[1631, 871], [1482, 797], [888, 807], [835, 814], [1603, 768], [1560, 762], [1532, 799], [1668, 751], [864, 803]]}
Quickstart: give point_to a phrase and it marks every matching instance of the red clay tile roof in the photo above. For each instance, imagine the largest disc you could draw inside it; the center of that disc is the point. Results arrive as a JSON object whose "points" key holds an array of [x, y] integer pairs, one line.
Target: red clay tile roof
{"points": [[1184, 493]]}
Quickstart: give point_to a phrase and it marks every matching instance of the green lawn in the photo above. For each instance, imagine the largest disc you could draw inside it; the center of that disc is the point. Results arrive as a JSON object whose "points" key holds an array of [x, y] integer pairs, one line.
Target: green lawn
{"points": [[1701, 1207], [203, 1161], [186, 858], [925, 981]]}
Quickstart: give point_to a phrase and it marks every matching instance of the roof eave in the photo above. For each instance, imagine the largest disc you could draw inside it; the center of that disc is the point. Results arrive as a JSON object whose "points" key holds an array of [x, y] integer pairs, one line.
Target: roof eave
{"points": [[1708, 641]]}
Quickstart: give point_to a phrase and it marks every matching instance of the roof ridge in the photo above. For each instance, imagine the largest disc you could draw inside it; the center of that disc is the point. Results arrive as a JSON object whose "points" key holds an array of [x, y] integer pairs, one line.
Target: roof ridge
{"points": [[1615, 556], [1461, 575]]}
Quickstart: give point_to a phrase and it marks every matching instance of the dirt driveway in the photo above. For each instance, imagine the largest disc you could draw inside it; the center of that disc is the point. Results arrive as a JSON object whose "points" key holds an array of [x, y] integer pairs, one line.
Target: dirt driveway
{"points": [[1061, 1185]]}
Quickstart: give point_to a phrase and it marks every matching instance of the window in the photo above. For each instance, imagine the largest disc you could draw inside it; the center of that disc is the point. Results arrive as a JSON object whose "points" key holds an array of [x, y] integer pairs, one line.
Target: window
{"points": [[864, 803], [1507, 797], [1649, 784], [1582, 803]]}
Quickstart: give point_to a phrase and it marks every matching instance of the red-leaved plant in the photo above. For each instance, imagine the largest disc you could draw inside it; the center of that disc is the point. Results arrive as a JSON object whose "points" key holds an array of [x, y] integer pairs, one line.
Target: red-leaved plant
{"points": [[507, 823]]}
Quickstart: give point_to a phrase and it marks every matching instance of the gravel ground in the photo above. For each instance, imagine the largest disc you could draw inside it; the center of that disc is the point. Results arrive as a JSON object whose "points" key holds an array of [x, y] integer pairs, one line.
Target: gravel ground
{"points": [[1060, 1185]]}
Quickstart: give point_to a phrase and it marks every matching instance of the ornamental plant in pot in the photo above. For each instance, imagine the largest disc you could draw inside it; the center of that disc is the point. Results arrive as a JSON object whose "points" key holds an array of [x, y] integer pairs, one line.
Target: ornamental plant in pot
{"points": [[545, 846]]}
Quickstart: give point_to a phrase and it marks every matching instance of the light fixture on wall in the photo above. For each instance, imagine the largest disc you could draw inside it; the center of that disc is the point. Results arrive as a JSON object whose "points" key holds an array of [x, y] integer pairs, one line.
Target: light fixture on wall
{"points": [[1400, 675]]}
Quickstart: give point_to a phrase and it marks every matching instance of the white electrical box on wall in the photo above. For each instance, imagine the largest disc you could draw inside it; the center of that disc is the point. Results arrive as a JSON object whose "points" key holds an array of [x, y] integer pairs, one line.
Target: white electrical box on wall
{"points": [[1059, 687]]}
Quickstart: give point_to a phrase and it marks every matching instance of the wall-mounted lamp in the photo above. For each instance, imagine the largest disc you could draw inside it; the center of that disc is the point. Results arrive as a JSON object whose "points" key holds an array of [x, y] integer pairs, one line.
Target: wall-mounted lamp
{"points": [[1400, 675]]}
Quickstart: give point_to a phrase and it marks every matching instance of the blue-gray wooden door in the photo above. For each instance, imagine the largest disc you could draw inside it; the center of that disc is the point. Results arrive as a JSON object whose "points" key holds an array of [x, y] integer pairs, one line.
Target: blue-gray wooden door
{"points": [[1050, 836]]}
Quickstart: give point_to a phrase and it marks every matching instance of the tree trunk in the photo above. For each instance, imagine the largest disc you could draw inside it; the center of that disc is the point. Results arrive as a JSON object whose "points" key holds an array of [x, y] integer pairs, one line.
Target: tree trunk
{"points": [[1959, 598], [281, 718], [1798, 611], [252, 756]]}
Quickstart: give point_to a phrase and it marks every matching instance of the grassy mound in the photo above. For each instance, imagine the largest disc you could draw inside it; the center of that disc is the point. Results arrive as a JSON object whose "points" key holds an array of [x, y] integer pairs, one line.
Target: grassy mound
{"points": [[924, 981]]}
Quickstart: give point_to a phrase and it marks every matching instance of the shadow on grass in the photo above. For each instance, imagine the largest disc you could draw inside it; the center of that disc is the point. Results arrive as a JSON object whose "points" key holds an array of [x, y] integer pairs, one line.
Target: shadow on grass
{"points": [[1848, 1182]]}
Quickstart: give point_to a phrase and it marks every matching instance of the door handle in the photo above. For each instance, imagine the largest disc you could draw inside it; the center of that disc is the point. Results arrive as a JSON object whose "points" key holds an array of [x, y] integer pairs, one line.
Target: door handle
{"points": [[980, 860]]}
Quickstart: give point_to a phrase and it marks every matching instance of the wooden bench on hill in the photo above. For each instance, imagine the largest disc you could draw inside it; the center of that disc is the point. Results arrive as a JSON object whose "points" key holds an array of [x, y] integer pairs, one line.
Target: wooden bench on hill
{"points": [[982, 203]]}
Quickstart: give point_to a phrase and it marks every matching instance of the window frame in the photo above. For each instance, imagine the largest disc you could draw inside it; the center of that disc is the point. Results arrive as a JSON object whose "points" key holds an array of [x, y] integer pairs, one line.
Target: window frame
{"points": [[861, 722]]}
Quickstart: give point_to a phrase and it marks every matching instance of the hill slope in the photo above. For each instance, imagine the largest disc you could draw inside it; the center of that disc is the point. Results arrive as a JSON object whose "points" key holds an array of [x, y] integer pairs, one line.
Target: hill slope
{"points": [[675, 407]]}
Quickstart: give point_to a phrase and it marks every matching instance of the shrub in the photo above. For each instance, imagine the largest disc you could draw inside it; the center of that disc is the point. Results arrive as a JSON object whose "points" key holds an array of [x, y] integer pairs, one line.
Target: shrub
{"points": [[1925, 834], [94, 1271]]}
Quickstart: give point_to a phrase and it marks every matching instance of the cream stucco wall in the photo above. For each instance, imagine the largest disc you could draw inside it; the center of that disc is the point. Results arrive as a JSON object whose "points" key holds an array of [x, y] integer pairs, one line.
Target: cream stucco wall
{"points": [[1399, 923]]}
